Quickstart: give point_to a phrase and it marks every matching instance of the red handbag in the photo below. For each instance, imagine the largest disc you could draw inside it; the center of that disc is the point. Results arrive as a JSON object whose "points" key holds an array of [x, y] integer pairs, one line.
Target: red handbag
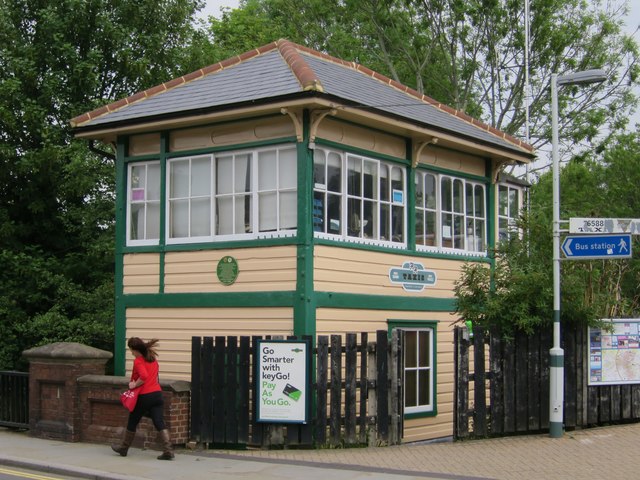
{"points": [[129, 398]]}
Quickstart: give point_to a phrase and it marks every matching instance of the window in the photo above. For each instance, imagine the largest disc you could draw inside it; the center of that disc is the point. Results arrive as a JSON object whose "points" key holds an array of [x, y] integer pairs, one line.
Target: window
{"points": [[189, 197], [357, 197], [143, 198], [450, 213], [508, 211], [226, 196], [419, 361]]}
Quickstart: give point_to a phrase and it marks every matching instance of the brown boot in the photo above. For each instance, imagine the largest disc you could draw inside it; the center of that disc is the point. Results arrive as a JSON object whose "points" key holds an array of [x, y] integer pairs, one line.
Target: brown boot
{"points": [[167, 446], [123, 448]]}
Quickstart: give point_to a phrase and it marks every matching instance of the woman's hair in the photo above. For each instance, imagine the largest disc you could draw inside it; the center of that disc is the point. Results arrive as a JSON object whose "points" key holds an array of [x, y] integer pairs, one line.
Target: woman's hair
{"points": [[146, 349]]}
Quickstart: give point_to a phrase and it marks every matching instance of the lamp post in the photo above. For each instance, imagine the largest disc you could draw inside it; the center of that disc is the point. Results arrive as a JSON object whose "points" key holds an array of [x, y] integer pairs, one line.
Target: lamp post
{"points": [[556, 373]]}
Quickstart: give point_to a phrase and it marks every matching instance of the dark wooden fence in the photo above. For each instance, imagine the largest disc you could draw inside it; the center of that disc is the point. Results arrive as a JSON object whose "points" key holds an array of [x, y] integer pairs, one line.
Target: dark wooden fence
{"points": [[14, 399], [512, 397], [356, 387]]}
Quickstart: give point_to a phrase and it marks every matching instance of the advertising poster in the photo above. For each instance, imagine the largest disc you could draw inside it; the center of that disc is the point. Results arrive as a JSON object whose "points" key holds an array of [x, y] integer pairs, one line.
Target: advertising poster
{"points": [[282, 376], [614, 354]]}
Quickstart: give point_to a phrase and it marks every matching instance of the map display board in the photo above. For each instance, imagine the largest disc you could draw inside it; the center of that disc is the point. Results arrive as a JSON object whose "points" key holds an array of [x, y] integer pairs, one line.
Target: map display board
{"points": [[614, 356]]}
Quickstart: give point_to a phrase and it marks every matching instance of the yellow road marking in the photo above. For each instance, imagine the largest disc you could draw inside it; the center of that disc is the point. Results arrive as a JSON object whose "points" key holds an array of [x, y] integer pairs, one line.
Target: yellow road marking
{"points": [[27, 475]]}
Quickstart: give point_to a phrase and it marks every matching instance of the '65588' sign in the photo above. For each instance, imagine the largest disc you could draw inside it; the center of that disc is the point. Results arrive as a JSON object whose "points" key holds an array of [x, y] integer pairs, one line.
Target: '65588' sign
{"points": [[282, 376]]}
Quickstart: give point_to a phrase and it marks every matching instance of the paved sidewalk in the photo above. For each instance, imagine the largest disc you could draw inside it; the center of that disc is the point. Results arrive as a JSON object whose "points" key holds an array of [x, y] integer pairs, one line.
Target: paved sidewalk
{"points": [[607, 452]]}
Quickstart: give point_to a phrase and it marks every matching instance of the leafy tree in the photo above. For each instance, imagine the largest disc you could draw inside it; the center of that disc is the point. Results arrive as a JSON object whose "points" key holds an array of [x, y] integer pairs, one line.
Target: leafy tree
{"points": [[518, 294], [466, 53], [58, 60]]}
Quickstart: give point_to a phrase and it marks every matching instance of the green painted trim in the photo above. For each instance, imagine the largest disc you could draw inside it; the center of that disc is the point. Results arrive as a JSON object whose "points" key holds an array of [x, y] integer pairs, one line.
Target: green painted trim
{"points": [[556, 361], [433, 325], [491, 223], [225, 299], [360, 151], [384, 302], [304, 310], [120, 233], [410, 204], [141, 158], [555, 429], [402, 252], [164, 148]]}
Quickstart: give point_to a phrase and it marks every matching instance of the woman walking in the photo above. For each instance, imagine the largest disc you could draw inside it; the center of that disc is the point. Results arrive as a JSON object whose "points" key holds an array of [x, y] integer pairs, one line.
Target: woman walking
{"points": [[145, 376]]}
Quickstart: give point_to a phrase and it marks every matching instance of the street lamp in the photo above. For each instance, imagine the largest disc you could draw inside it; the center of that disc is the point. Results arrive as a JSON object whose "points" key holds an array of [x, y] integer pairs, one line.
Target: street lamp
{"points": [[556, 373]]}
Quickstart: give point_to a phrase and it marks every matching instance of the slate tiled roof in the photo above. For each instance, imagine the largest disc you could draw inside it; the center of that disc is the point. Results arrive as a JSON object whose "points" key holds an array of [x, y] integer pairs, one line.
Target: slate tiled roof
{"points": [[284, 69]]}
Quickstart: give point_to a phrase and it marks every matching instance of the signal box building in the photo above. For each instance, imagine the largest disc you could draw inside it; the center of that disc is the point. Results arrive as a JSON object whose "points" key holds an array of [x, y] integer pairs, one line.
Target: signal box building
{"points": [[287, 192]]}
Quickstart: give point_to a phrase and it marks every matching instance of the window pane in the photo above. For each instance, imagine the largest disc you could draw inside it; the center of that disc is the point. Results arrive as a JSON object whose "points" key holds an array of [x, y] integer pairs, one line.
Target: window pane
{"points": [[153, 181], [200, 177], [179, 179], [410, 349], [458, 232], [410, 388], [385, 223], [369, 220], [138, 176], [334, 167], [431, 229], [334, 212], [513, 203], [268, 166], [318, 212], [447, 204], [479, 201], [179, 218], [419, 190], [425, 348], [458, 196], [224, 175], [430, 191], [287, 168], [268, 208], [137, 221], [153, 220], [398, 223], [288, 210], [397, 182], [420, 225], [369, 180], [355, 217], [384, 183], [224, 208], [242, 180], [200, 217], [319, 165], [424, 387], [354, 176], [469, 198], [242, 222]]}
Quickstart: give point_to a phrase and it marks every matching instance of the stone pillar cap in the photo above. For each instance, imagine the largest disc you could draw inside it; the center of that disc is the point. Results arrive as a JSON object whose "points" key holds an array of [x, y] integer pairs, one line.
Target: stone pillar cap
{"points": [[67, 350]]}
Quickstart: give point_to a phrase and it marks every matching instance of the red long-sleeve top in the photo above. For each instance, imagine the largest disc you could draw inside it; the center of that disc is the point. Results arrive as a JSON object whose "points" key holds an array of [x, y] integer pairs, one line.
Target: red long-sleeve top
{"points": [[148, 373]]}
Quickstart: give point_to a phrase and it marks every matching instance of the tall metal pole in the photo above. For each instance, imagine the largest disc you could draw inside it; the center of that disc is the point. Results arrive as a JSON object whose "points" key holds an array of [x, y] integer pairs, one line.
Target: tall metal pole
{"points": [[556, 373]]}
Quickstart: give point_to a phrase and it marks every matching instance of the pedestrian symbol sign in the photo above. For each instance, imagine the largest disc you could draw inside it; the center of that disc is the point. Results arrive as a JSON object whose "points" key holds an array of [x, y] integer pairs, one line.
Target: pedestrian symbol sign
{"points": [[597, 247]]}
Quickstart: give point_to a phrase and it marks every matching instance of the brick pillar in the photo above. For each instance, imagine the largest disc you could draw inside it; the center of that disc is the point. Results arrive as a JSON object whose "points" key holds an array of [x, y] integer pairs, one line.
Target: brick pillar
{"points": [[53, 391]]}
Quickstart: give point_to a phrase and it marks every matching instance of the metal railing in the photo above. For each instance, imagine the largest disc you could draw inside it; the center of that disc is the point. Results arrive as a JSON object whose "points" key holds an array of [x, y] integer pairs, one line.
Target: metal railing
{"points": [[14, 399]]}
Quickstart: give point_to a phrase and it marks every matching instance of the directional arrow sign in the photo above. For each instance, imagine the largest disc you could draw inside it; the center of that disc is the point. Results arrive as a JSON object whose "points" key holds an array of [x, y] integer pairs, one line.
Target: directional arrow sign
{"points": [[597, 246]]}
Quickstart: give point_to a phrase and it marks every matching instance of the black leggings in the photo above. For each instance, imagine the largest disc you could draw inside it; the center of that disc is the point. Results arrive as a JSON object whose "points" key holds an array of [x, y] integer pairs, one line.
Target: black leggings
{"points": [[151, 405]]}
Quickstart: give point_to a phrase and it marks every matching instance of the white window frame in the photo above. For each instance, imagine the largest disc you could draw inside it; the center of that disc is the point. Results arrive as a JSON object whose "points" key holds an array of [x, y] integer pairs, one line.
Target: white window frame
{"points": [[357, 228], [428, 407], [281, 189], [145, 201], [460, 212], [509, 216]]}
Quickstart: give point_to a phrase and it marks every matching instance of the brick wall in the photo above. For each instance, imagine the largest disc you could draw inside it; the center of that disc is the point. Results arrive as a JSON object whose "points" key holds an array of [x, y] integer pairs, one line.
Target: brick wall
{"points": [[104, 419], [71, 399]]}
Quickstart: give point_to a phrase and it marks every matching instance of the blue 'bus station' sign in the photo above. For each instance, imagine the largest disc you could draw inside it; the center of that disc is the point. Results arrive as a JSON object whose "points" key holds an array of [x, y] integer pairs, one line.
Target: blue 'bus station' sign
{"points": [[597, 247]]}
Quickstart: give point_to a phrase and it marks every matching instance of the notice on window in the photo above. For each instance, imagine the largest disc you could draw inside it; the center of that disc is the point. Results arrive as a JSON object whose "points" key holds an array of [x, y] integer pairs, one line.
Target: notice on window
{"points": [[614, 355], [282, 376]]}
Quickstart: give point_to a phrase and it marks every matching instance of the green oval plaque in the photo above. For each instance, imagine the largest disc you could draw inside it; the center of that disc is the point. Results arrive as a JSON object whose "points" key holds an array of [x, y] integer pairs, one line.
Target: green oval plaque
{"points": [[227, 270]]}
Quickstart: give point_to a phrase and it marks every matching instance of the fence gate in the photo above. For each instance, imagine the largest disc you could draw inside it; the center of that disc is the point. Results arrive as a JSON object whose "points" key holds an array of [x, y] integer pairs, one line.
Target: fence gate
{"points": [[513, 395], [14, 399], [356, 393]]}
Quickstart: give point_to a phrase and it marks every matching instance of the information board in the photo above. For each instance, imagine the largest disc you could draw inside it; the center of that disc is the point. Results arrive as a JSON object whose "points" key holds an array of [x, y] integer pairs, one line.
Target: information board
{"points": [[282, 376], [614, 355]]}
